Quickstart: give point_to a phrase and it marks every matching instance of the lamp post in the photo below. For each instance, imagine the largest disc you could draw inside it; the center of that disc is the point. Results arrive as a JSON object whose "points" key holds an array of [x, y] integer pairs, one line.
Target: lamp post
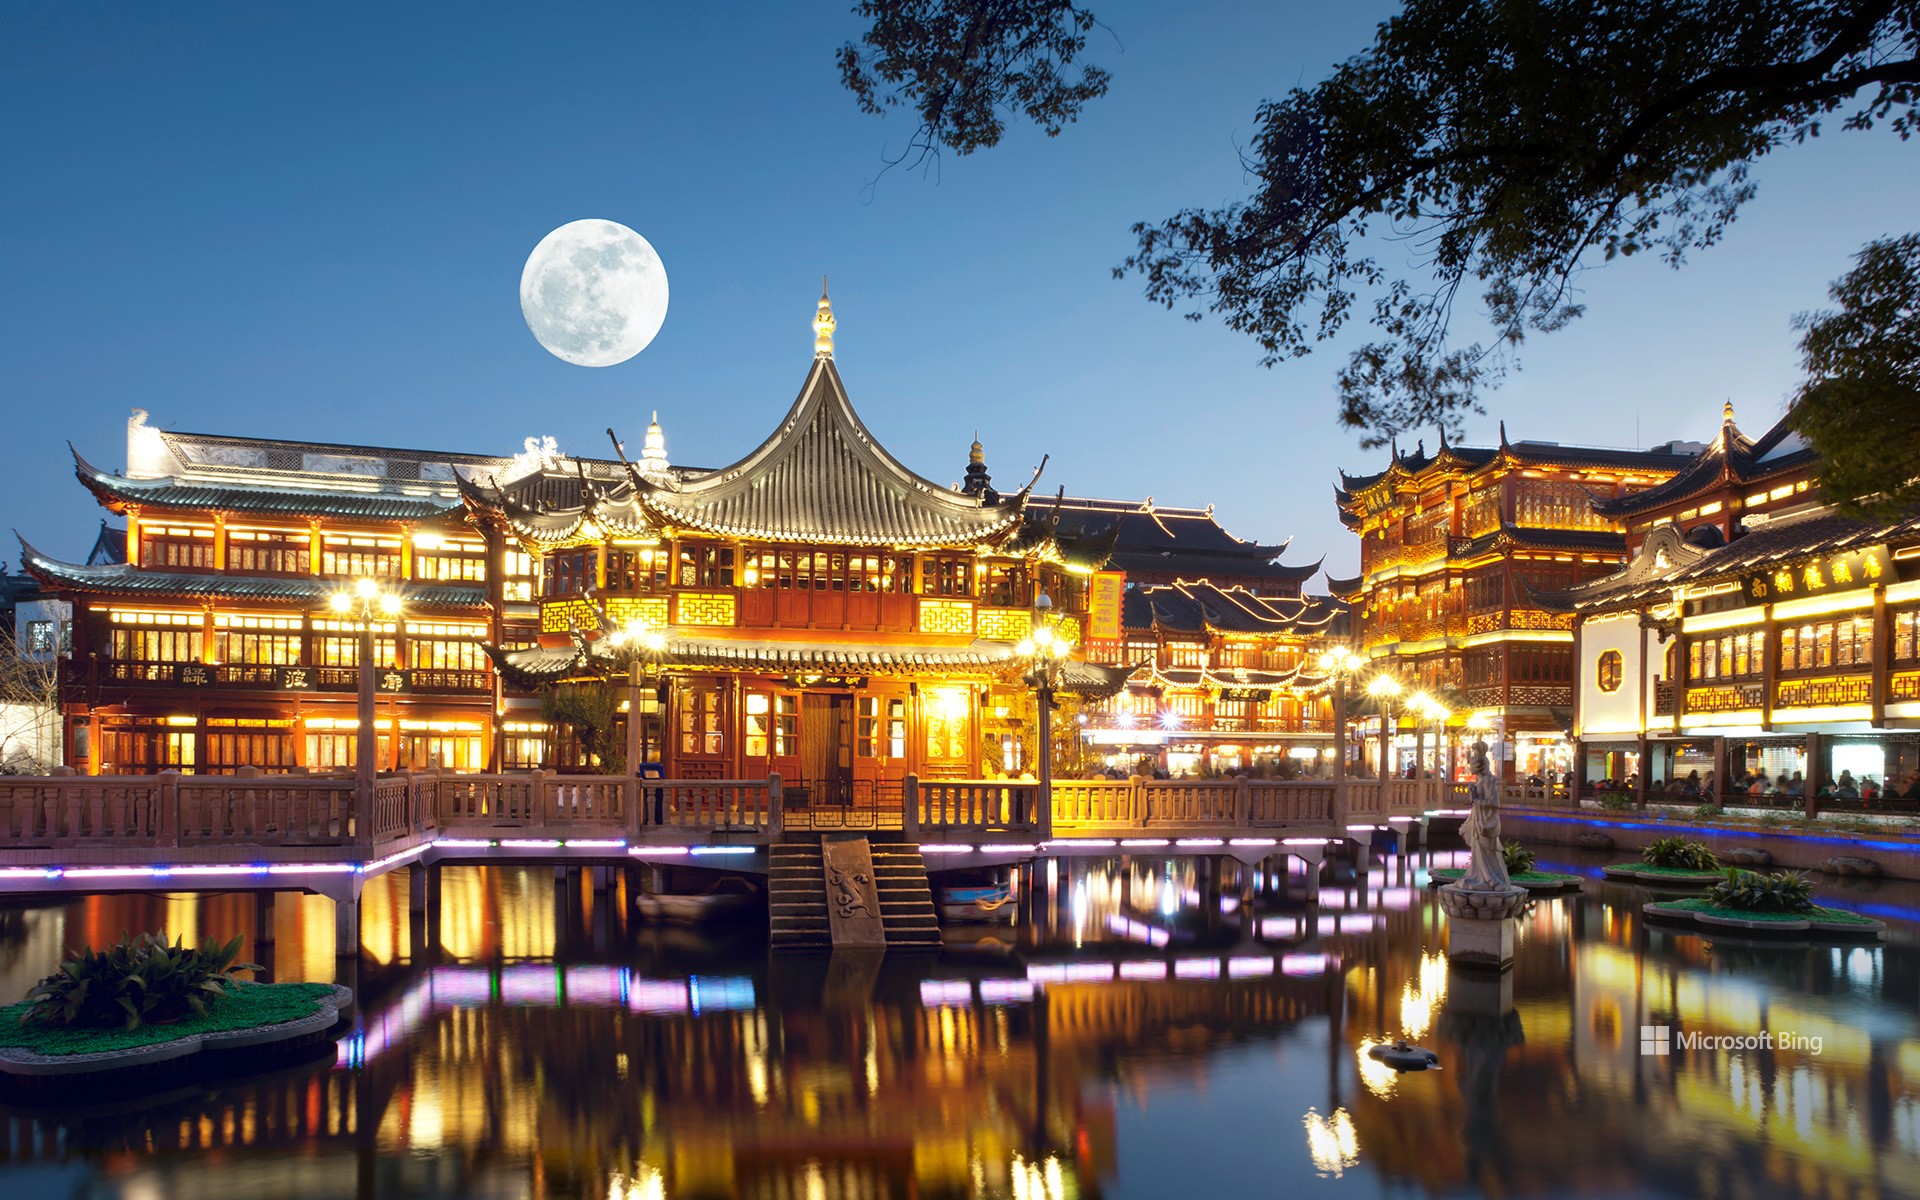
{"points": [[1046, 652], [368, 599], [1479, 726], [643, 645], [1338, 664], [1384, 688]]}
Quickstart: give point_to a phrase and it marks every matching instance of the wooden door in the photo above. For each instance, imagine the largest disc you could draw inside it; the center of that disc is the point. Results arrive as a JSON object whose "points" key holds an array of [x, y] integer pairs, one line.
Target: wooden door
{"points": [[826, 746]]}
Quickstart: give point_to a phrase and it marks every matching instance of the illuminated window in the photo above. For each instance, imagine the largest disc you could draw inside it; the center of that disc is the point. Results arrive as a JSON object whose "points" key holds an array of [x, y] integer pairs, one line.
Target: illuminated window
{"points": [[759, 723], [1610, 669]]}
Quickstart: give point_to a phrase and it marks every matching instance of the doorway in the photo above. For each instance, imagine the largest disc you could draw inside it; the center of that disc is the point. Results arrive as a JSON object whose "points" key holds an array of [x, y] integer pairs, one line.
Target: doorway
{"points": [[826, 746]]}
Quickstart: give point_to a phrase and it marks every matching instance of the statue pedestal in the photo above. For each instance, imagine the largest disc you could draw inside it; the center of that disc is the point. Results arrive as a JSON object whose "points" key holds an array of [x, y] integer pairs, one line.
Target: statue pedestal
{"points": [[1480, 925]]}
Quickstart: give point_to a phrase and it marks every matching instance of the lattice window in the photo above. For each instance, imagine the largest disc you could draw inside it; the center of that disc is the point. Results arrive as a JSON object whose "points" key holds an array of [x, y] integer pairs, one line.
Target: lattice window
{"points": [[704, 608], [946, 616]]}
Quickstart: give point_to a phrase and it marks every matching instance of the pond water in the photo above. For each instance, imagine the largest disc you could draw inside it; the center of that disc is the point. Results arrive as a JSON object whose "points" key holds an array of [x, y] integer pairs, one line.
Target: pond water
{"points": [[1148, 1028]]}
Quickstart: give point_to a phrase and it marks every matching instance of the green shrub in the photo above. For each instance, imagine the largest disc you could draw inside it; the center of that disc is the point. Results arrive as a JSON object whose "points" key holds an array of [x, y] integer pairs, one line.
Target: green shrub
{"points": [[1709, 811], [1520, 860], [1615, 801], [137, 981], [1679, 852], [1751, 891]]}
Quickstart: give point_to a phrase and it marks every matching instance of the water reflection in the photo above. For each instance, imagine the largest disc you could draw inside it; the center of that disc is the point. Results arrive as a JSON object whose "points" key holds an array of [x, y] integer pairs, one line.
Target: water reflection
{"points": [[1145, 1028]]}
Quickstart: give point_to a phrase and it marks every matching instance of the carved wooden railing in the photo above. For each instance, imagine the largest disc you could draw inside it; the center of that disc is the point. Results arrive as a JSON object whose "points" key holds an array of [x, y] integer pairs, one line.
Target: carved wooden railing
{"points": [[969, 806], [104, 813], [541, 800]]}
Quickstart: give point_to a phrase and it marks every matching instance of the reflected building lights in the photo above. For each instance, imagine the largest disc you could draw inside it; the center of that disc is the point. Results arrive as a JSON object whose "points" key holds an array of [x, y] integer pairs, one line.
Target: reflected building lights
{"points": [[1331, 1142]]}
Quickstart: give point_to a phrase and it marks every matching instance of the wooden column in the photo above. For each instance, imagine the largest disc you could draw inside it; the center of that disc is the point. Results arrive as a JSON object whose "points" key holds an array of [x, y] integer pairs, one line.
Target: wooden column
{"points": [[314, 544], [1810, 791], [1719, 771], [1640, 776], [219, 541], [1881, 644], [1680, 670], [1769, 669], [133, 536], [406, 552]]}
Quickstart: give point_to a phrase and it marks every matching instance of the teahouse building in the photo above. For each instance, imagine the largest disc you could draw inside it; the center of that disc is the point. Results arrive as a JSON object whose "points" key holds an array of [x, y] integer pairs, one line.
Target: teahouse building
{"points": [[816, 608], [1755, 632], [1453, 546]]}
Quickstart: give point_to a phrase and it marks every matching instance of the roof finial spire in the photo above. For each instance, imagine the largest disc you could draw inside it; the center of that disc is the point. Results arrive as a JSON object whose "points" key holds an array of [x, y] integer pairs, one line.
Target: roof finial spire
{"points": [[823, 324], [653, 455], [1726, 412], [979, 483]]}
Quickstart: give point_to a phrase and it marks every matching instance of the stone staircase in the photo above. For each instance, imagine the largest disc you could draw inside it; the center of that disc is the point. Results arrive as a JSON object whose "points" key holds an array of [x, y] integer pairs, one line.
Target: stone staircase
{"points": [[797, 897]]}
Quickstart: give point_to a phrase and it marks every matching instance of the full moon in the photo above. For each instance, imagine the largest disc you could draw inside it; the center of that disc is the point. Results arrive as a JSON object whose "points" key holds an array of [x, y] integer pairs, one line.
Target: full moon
{"points": [[594, 293]]}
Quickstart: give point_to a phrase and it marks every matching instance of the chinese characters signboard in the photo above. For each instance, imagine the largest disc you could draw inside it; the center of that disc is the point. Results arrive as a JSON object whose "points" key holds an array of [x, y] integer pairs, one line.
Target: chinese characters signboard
{"points": [[1103, 605], [1830, 573]]}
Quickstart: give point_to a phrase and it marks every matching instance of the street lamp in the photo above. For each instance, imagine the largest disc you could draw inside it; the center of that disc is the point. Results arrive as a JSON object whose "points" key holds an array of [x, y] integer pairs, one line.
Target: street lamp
{"points": [[1426, 708], [1338, 664], [1384, 688], [1046, 651], [1479, 725], [369, 600], [643, 645]]}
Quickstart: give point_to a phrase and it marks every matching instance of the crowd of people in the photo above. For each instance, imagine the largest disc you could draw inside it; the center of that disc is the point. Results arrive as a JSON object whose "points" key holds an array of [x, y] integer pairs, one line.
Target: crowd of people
{"points": [[1759, 785]]}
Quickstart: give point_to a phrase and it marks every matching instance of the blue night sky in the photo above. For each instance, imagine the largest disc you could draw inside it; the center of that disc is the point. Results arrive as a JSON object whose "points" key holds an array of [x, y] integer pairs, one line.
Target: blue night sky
{"points": [[310, 221]]}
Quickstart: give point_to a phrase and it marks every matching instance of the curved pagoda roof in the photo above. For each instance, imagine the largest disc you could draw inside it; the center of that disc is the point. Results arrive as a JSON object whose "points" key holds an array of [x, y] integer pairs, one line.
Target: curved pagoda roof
{"points": [[1732, 458], [1201, 607], [821, 478], [1149, 538], [1416, 468], [288, 497], [121, 579]]}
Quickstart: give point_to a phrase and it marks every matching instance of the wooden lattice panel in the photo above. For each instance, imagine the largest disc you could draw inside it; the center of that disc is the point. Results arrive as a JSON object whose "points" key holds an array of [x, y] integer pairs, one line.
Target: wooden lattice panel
{"points": [[1005, 624], [946, 616], [1824, 692], [648, 610], [704, 608], [558, 616]]}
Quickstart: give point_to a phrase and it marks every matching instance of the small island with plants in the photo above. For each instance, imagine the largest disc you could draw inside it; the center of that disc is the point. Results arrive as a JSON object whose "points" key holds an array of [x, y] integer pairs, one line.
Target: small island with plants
{"points": [[1780, 902], [149, 1010], [1522, 870], [1670, 862]]}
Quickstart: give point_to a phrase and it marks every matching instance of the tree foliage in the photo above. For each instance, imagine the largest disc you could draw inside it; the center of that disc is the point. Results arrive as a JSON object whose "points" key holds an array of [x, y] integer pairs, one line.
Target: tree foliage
{"points": [[965, 66], [1860, 405], [29, 709], [1501, 145], [591, 709]]}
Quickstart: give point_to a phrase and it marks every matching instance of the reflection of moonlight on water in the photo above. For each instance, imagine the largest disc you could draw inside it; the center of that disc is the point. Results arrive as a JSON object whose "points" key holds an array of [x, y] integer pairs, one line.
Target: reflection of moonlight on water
{"points": [[594, 293]]}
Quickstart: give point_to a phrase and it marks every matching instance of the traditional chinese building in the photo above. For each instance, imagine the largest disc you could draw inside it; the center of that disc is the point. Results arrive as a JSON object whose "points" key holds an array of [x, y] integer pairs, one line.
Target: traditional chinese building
{"points": [[210, 645], [819, 609], [1229, 680], [1453, 546], [1755, 630]]}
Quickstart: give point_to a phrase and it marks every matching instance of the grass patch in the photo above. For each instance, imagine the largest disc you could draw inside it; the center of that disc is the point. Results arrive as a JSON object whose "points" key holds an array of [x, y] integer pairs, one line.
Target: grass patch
{"points": [[1449, 874], [1696, 904], [249, 1004], [1671, 872]]}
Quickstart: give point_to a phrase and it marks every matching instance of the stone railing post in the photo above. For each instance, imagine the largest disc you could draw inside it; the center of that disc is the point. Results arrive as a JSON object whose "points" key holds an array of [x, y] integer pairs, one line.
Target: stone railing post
{"points": [[776, 804], [910, 807], [1136, 801], [1242, 802], [537, 798], [634, 795], [1337, 807], [167, 819]]}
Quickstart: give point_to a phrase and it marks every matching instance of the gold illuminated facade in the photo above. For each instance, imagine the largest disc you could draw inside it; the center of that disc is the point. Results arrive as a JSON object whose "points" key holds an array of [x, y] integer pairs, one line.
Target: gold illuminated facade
{"points": [[1455, 548], [1755, 631]]}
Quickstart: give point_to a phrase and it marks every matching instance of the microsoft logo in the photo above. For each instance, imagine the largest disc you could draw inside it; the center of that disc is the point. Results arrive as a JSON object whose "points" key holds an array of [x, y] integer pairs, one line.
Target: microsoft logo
{"points": [[1656, 1039]]}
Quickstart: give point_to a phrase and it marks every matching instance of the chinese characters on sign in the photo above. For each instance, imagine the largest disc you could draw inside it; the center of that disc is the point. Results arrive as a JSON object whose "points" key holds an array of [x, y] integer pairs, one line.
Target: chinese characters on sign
{"points": [[1832, 573], [1103, 605]]}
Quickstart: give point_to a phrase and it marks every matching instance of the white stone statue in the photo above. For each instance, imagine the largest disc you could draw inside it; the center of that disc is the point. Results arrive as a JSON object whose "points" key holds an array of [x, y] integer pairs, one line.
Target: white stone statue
{"points": [[1487, 872]]}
